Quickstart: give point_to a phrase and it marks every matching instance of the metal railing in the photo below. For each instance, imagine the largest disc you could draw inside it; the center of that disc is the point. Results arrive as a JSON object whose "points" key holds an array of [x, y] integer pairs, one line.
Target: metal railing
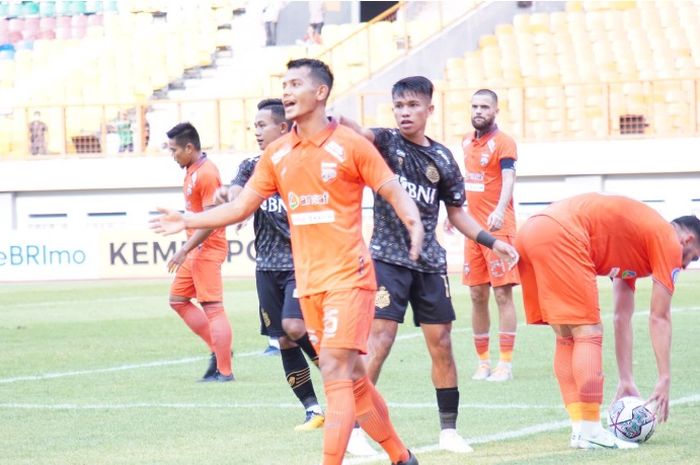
{"points": [[655, 108]]}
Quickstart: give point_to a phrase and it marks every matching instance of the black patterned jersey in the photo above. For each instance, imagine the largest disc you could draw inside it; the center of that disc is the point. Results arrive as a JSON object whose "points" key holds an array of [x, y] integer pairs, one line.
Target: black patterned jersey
{"points": [[273, 249], [429, 175]]}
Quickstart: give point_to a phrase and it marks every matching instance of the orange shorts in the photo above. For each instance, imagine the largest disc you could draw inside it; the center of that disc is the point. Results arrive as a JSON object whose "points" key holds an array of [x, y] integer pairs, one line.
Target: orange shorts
{"points": [[339, 319], [483, 266], [557, 274], [200, 279]]}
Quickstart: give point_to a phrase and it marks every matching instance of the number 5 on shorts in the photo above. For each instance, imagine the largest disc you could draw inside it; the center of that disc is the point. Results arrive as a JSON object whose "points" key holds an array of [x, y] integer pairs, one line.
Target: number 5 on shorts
{"points": [[330, 322]]}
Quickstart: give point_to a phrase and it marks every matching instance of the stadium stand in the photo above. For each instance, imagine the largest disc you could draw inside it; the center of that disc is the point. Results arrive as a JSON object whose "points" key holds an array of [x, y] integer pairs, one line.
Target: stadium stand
{"points": [[597, 69]]}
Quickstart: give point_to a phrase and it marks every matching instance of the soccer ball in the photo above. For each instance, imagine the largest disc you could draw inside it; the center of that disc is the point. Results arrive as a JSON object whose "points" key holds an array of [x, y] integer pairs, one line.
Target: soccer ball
{"points": [[631, 420]]}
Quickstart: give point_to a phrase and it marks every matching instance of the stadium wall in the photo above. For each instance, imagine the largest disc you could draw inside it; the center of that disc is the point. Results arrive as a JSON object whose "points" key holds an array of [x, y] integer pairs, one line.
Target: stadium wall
{"points": [[72, 218]]}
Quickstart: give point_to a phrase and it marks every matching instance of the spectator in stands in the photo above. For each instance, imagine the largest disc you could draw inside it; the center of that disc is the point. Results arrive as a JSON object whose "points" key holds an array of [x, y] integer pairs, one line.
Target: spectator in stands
{"points": [[311, 38], [270, 16], [37, 135], [316, 12], [125, 132]]}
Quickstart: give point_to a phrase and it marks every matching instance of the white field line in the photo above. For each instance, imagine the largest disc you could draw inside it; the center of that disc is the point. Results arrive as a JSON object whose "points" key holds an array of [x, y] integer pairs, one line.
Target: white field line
{"points": [[502, 436], [252, 405], [159, 363]]}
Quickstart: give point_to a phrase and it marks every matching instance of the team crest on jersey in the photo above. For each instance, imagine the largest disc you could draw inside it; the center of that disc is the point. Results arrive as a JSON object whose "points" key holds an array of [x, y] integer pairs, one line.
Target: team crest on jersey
{"points": [[383, 298], [281, 153], [336, 150], [432, 173], [328, 171], [629, 274], [484, 159]]}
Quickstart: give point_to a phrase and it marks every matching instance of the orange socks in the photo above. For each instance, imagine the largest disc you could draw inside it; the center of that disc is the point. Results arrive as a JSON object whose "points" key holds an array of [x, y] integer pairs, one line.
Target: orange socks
{"points": [[340, 418], [221, 335], [195, 318], [373, 416], [506, 342], [481, 343], [588, 372], [563, 370]]}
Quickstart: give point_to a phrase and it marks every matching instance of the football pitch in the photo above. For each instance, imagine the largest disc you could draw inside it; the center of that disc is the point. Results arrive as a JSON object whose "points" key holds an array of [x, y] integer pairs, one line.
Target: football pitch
{"points": [[105, 373]]}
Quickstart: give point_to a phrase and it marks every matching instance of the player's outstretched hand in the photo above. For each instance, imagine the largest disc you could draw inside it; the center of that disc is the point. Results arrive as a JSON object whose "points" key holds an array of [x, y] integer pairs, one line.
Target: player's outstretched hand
{"points": [[658, 402], [448, 227], [169, 222], [507, 253]]}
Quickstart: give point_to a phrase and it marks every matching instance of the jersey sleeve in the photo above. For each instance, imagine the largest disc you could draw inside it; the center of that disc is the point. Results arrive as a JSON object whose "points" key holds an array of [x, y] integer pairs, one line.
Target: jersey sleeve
{"points": [[245, 171], [451, 187], [382, 139], [507, 148], [370, 165], [666, 257], [207, 184], [263, 180]]}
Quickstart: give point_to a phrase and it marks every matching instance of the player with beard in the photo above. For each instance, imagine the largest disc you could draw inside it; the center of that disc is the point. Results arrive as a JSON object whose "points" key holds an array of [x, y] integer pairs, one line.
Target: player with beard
{"points": [[489, 159], [280, 312], [429, 173]]}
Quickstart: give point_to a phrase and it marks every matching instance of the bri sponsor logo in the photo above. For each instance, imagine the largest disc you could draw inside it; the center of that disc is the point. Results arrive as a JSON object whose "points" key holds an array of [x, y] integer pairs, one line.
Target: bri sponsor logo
{"points": [[40, 255]]}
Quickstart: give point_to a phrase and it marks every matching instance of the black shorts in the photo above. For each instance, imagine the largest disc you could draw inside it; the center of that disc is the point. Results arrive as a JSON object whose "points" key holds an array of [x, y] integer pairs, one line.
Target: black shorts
{"points": [[428, 294], [277, 301]]}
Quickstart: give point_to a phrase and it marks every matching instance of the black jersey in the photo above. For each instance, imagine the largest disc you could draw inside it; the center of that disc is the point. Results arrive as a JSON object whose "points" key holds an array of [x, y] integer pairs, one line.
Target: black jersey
{"points": [[429, 175], [273, 248]]}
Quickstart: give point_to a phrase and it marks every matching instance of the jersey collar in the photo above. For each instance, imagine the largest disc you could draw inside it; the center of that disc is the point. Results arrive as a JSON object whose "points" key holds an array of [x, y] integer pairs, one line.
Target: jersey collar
{"points": [[484, 137], [317, 139], [195, 166]]}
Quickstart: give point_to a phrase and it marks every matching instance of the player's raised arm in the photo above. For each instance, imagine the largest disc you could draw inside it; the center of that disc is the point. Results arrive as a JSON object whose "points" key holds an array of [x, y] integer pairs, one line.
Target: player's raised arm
{"points": [[355, 126], [471, 229], [407, 212], [660, 333], [171, 222]]}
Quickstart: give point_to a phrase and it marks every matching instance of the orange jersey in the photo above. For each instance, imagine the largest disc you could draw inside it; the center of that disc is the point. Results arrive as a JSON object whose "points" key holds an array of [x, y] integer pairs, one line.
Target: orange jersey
{"points": [[626, 238], [201, 182], [483, 179], [321, 180]]}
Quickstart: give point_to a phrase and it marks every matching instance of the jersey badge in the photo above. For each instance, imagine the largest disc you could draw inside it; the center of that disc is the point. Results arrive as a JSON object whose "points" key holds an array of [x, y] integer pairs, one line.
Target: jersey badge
{"points": [[432, 173], [328, 171], [629, 274], [336, 150], [383, 298], [484, 159]]}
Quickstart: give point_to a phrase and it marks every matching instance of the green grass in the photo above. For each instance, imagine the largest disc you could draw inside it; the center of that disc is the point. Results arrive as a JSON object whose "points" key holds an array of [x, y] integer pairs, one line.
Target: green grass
{"points": [[160, 415]]}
